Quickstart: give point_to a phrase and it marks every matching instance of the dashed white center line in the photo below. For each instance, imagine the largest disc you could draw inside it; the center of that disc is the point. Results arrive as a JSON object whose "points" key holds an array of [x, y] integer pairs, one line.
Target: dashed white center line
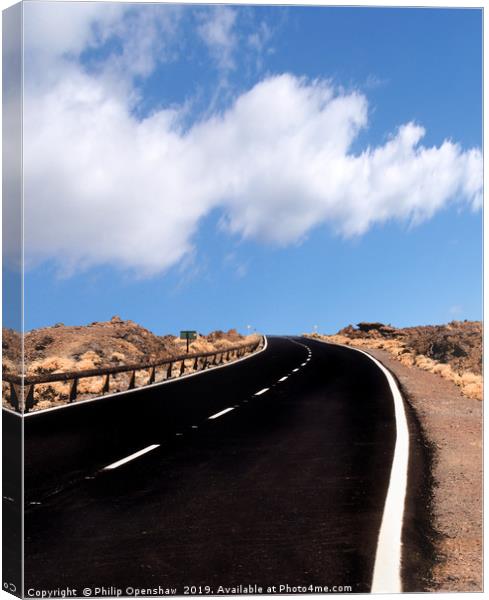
{"points": [[283, 378], [262, 391], [294, 370], [137, 454], [303, 364], [223, 412]]}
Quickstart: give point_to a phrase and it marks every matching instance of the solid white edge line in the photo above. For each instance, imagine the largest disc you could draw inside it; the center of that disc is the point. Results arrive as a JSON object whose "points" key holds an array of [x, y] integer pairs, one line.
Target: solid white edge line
{"points": [[387, 569], [144, 387], [223, 412], [261, 392], [12, 412], [137, 454], [387, 566]]}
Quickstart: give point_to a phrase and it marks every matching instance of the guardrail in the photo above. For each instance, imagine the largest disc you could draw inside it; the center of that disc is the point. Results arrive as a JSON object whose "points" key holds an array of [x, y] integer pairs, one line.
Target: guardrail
{"points": [[199, 362]]}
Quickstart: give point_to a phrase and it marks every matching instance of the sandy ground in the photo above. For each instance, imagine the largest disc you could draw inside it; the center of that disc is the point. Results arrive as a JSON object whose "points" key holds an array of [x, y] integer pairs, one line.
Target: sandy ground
{"points": [[452, 424]]}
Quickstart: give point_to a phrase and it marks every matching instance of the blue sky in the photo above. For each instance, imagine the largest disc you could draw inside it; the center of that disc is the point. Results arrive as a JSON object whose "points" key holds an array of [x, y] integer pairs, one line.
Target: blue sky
{"points": [[212, 167]]}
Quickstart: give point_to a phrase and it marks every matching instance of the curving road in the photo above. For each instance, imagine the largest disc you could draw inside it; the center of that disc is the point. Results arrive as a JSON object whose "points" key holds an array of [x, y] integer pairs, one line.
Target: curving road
{"points": [[269, 472]]}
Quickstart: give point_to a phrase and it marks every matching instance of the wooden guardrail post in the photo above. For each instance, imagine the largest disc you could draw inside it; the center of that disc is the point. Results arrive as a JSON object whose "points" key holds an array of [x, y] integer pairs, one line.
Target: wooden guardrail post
{"points": [[14, 397], [132, 382], [106, 386], [29, 401], [152, 376], [169, 371], [74, 389], [182, 368]]}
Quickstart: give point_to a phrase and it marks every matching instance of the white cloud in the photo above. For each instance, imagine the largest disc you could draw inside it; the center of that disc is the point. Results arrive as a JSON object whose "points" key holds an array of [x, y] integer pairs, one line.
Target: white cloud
{"points": [[58, 33], [54, 29], [102, 187]]}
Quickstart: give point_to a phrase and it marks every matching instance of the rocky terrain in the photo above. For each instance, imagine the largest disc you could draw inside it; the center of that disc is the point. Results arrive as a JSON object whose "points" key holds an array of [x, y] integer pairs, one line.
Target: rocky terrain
{"points": [[453, 351], [102, 344]]}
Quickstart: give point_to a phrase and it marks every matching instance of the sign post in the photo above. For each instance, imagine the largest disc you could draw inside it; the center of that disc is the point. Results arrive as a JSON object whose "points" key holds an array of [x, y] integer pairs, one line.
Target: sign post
{"points": [[188, 335]]}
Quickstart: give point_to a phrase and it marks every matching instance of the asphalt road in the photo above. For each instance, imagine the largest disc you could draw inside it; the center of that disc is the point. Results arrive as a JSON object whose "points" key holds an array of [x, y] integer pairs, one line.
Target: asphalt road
{"points": [[287, 488]]}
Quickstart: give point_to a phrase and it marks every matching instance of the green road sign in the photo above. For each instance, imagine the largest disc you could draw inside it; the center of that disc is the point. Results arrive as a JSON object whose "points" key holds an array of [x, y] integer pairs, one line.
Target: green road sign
{"points": [[188, 335]]}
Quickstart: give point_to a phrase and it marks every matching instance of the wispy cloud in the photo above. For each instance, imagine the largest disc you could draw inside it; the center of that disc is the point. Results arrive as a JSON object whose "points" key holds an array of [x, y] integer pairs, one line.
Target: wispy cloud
{"points": [[456, 310], [374, 81], [259, 41], [217, 30]]}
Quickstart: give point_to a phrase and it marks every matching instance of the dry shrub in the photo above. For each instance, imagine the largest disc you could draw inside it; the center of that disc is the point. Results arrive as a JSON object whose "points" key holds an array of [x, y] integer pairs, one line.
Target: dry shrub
{"points": [[223, 344], [425, 363], [52, 364], [472, 385], [199, 345], [50, 392], [473, 390], [406, 359], [91, 385], [175, 369], [443, 370], [6, 395], [119, 382]]}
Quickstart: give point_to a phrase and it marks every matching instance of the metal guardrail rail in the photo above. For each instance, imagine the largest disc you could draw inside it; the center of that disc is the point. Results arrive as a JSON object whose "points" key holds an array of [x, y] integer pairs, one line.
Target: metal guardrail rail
{"points": [[201, 361]]}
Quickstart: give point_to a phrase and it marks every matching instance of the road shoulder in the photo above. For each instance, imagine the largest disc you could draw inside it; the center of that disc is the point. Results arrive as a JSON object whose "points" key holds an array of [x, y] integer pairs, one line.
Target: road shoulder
{"points": [[452, 425]]}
